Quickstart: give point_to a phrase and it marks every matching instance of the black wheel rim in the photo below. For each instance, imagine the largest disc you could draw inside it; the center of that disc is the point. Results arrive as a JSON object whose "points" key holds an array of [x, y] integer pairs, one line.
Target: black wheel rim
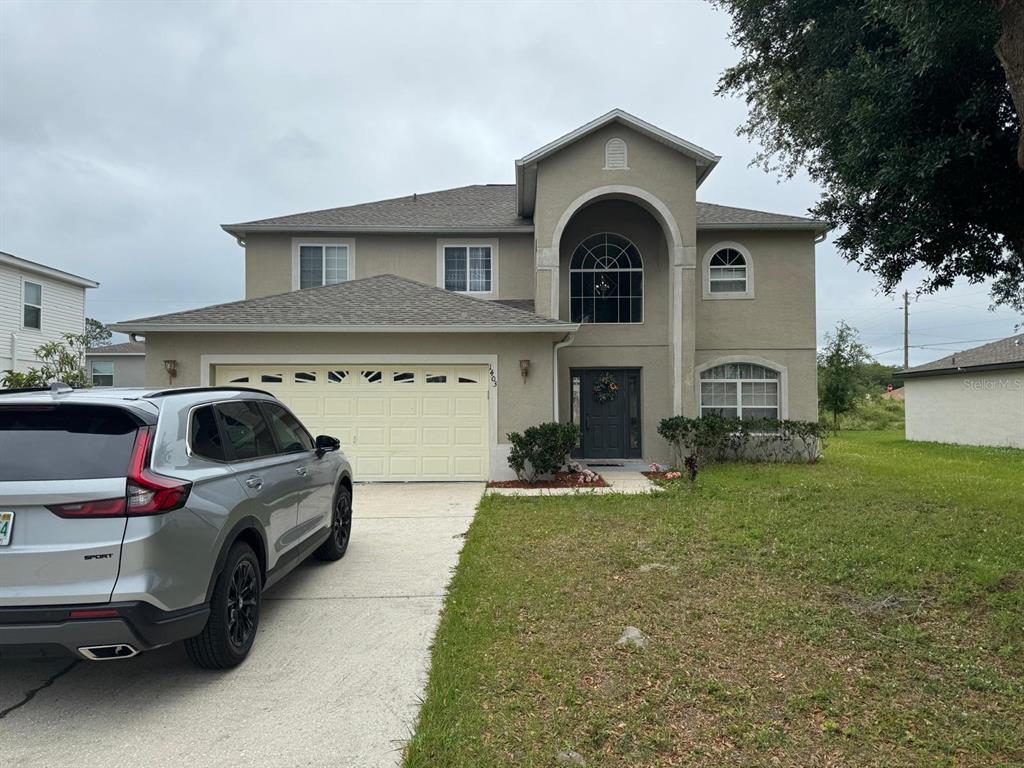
{"points": [[242, 604], [341, 525]]}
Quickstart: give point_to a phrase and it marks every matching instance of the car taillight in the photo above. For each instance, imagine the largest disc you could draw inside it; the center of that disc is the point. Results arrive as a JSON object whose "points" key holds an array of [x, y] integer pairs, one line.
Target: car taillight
{"points": [[101, 508], [148, 492]]}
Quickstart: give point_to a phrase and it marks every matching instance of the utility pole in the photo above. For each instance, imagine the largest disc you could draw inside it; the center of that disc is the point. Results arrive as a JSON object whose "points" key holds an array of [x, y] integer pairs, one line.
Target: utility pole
{"points": [[906, 330]]}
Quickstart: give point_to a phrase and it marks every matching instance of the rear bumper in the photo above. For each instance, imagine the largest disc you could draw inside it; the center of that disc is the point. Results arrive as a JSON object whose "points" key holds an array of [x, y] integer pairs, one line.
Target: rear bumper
{"points": [[139, 625]]}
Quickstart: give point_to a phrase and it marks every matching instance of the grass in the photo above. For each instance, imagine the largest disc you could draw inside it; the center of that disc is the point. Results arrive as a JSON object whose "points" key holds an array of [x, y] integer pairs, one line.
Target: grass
{"points": [[874, 413], [864, 611]]}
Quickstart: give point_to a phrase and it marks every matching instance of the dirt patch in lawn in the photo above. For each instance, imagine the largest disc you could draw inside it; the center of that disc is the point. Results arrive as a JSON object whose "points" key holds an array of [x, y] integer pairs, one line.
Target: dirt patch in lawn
{"points": [[558, 480]]}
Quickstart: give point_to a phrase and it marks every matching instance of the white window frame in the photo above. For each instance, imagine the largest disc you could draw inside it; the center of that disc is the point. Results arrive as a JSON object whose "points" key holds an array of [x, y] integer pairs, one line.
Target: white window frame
{"points": [[783, 380], [93, 373], [298, 242], [706, 271], [25, 303], [469, 243]]}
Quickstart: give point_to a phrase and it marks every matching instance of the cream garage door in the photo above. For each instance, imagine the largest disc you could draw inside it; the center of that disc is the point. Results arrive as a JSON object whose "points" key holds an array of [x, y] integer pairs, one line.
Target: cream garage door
{"points": [[395, 422]]}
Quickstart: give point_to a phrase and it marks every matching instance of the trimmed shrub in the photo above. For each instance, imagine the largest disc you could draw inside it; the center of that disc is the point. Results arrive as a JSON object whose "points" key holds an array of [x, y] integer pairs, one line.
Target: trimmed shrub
{"points": [[714, 438], [541, 450]]}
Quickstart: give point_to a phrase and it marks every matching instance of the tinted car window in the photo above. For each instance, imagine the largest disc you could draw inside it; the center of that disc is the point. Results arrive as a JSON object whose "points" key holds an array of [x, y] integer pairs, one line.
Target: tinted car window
{"points": [[245, 430], [64, 442], [204, 436], [290, 434]]}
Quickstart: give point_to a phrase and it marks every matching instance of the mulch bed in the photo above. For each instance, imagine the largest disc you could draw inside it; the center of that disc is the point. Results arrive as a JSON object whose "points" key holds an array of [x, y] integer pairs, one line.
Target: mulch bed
{"points": [[560, 480], [658, 476]]}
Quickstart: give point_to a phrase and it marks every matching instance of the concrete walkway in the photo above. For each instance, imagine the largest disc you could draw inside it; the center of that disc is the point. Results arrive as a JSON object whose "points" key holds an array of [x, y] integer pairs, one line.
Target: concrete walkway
{"points": [[335, 677]]}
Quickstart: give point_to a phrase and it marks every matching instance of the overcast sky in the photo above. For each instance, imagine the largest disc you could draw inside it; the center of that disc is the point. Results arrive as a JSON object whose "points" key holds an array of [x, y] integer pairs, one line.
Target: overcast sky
{"points": [[131, 131]]}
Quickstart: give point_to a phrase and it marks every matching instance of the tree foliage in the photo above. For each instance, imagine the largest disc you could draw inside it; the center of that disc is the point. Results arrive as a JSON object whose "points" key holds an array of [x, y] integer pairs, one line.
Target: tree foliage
{"points": [[96, 332], [842, 371], [902, 111]]}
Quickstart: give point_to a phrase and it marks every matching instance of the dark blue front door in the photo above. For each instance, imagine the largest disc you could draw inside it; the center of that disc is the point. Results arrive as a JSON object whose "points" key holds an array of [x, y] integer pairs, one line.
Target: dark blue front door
{"points": [[609, 404]]}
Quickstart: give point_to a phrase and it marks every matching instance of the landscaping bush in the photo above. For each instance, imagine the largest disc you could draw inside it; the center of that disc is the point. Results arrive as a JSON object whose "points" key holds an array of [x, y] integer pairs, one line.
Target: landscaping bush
{"points": [[714, 438], [541, 450]]}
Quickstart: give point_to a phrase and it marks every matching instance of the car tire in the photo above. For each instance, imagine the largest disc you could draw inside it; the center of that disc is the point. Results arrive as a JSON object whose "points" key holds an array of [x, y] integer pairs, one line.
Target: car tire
{"points": [[341, 528], [234, 613]]}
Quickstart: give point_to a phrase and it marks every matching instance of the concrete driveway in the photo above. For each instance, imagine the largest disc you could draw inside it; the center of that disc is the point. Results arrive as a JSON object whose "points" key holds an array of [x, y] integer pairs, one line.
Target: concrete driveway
{"points": [[335, 677]]}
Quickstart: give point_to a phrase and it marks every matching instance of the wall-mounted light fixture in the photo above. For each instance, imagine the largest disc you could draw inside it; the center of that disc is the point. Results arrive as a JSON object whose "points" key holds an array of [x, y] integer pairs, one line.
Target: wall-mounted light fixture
{"points": [[524, 368], [171, 366]]}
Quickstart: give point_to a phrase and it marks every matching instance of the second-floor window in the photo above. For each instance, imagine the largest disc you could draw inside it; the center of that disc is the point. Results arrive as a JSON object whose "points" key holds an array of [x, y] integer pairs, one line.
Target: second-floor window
{"points": [[467, 268], [323, 265], [606, 281], [33, 310]]}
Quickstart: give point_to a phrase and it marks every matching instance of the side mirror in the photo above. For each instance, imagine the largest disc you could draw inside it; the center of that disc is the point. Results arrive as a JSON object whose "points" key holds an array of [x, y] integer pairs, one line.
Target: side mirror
{"points": [[325, 443]]}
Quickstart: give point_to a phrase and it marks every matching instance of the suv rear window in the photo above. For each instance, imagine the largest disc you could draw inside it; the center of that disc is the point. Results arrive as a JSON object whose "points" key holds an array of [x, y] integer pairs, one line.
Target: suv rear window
{"points": [[64, 442]]}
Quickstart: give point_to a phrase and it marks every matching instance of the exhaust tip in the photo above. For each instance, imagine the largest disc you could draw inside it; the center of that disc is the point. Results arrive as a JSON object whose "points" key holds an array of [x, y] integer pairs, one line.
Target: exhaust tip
{"points": [[108, 652]]}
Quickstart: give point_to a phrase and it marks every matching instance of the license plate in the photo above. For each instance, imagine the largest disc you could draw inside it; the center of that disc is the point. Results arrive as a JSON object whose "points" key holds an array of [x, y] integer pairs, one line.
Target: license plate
{"points": [[6, 527]]}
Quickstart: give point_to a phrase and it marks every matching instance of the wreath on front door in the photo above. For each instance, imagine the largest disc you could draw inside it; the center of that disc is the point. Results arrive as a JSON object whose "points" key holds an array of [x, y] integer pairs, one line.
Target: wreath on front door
{"points": [[606, 388]]}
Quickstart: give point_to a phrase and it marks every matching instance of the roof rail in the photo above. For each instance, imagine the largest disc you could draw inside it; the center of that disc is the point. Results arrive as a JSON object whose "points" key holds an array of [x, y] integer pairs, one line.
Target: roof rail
{"points": [[190, 390]]}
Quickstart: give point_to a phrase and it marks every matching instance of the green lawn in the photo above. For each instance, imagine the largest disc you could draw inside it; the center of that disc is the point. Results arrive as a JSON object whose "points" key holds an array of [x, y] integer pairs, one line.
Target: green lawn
{"points": [[864, 611]]}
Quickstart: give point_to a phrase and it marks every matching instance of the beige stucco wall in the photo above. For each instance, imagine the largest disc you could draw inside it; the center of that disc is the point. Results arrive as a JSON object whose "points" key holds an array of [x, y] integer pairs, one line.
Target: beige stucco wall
{"points": [[129, 370], [268, 259], [782, 313], [984, 408], [520, 403]]}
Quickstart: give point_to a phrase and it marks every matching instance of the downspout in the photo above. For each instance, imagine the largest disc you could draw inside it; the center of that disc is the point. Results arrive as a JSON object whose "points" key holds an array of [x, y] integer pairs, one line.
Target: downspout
{"points": [[565, 342]]}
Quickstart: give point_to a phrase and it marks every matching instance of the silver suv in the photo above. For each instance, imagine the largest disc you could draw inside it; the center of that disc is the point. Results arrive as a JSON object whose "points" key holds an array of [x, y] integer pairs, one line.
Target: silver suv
{"points": [[130, 519]]}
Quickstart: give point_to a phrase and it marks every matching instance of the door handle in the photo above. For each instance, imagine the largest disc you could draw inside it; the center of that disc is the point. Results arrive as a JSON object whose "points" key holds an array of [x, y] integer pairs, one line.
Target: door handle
{"points": [[302, 471], [255, 482], [586, 422]]}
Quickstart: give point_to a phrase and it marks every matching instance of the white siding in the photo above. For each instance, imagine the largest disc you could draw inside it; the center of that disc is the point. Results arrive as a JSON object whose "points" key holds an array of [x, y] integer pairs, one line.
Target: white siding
{"points": [[984, 408], [63, 312]]}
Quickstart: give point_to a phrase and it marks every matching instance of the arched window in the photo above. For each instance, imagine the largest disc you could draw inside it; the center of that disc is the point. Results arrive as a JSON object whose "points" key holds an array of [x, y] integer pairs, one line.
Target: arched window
{"points": [[615, 158], [740, 390], [727, 272], [606, 281]]}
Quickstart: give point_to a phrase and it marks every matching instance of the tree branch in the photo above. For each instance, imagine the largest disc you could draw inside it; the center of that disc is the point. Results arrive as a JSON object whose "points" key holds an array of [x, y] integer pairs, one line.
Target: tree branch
{"points": [[1010, 52]]}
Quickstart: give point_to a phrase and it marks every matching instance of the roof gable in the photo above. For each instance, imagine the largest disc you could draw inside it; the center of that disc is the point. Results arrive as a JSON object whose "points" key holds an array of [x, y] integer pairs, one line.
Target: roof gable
{"points": [[383, 303], [526, 166], [36, 268]]}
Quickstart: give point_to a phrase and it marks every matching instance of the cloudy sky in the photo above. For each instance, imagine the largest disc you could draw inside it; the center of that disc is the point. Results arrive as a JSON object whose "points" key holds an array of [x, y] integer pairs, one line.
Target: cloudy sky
{"points": [[130, 131]]}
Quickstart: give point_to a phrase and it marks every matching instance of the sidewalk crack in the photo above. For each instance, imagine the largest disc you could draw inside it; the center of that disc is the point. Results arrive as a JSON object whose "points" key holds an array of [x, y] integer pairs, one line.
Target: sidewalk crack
{"points": [[31, 692]]}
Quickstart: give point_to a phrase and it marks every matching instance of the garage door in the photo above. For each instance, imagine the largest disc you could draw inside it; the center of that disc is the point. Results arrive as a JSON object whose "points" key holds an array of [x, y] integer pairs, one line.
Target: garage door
{"points": [[395, 422]]}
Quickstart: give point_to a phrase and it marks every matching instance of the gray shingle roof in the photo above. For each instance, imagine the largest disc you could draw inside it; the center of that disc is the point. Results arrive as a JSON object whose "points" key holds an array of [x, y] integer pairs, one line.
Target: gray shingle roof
{"points": [[127, 348], [1005, 352], [383, 302], [478, 208]]}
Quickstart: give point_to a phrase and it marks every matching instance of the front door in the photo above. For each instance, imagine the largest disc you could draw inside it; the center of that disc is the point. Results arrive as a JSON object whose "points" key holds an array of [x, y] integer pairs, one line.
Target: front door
{"points": [[609, 404]]}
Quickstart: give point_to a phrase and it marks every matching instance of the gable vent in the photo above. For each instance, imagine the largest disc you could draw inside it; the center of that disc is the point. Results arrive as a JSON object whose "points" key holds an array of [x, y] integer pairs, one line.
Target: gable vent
{"points": [[615, 155]]}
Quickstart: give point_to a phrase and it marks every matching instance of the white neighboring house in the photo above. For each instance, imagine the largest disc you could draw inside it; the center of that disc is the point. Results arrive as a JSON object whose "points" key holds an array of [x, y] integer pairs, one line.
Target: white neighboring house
{"points": [[38, 304], [117, 365], [974, 397]]}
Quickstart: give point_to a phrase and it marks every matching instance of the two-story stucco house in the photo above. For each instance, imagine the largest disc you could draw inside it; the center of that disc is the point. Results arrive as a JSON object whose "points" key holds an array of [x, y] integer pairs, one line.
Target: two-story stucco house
{"points": [[38, 304], [421, 330]]}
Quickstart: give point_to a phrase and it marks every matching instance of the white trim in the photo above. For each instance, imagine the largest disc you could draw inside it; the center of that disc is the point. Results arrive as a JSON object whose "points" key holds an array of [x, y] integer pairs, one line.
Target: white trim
{"points": [[131, 327], [114, 354], [498, 452], [462, 242], [41, 269], [348, 242], [620, 116], [24, 303], [753, 360], [705, 272]]}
